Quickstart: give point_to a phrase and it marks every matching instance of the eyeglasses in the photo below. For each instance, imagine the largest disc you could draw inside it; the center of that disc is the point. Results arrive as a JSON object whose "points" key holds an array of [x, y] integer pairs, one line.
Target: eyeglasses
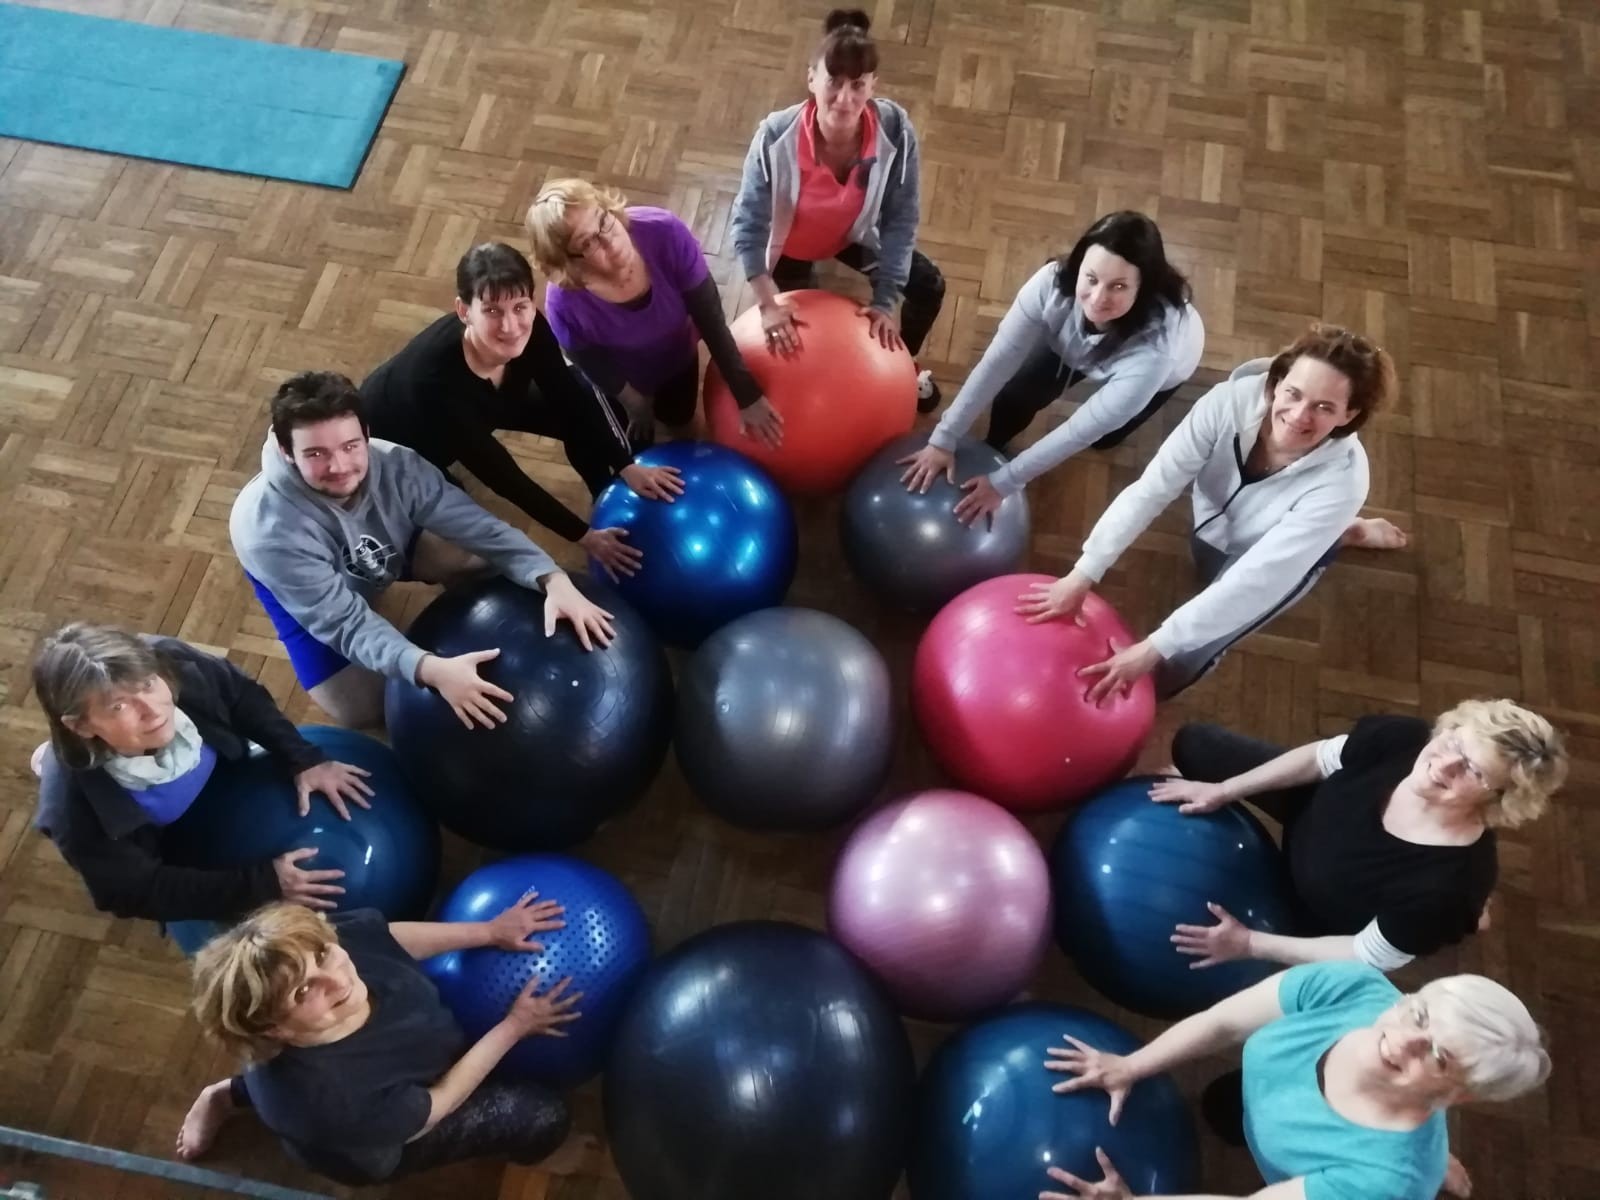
{"points": [[602, 233], [1453, 746], [1417, 1008]]}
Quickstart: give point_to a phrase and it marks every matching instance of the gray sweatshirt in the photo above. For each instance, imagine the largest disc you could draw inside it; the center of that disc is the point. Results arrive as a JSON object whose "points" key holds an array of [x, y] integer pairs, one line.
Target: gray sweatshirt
{"points": [[1160, 356], [325, 562]]}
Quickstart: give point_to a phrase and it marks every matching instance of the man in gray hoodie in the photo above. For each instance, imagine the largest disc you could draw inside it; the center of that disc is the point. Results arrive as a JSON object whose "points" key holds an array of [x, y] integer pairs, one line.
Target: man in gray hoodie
{"points": [[335, 517]]}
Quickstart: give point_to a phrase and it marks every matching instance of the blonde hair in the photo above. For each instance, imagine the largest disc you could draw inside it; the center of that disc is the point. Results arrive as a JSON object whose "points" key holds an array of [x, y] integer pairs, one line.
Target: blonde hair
{"points": [[1533, 750], [244, 978], [79, 662], [1497, 1046], [550, 229]]}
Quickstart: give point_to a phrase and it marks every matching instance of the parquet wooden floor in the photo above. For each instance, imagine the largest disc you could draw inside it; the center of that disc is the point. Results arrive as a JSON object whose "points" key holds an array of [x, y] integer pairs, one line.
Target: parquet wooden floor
{"points": [[1425, 170]]}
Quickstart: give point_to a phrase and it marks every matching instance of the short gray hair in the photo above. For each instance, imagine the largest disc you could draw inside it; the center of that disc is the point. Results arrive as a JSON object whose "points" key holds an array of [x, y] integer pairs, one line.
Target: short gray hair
{"points": [[1492, 1036]]}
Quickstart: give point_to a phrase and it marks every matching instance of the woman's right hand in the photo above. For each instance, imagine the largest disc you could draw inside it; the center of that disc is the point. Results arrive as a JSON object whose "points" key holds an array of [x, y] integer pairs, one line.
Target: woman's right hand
{"points": [[533, 1014], [926, 465], [780, 327], [653, 483], [615, 556], [1092, 1069], [1191, 796], [1052, 601], [470, 696], [310, 888]]}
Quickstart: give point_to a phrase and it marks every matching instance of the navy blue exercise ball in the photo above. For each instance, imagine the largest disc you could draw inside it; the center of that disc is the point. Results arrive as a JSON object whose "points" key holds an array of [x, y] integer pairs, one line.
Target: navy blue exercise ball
{"points": [[1126, 870], [725, 547], [988, 1124], [759, 1059], [389, 853], [605, 944], [586, 732]]}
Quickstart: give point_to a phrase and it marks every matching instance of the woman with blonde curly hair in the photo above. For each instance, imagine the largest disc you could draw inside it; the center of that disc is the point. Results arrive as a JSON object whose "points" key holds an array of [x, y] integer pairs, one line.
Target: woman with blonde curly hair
{"points": [[1389, 831]]}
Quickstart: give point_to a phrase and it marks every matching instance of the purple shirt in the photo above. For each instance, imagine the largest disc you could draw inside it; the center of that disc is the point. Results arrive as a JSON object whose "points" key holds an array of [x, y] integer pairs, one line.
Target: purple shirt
{"points": [[652, 343]]}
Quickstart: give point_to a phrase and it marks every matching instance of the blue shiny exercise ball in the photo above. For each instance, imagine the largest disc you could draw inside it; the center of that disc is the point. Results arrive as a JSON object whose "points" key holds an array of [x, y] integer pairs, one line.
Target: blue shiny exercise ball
{"points": [[988, 1124], [785, 720], [759, 1059], [725, 547], [1126, 871], [586, 730], [604, 947], [908, 548], [247, 814]]}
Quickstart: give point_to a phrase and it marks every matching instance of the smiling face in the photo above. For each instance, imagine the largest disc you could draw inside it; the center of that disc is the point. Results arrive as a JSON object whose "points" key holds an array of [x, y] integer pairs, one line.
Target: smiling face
{"points": [[1402, 1049], [131, 720], [330, 994], [1308, 404], [1459, 768], [840, 99], [499, 326], [330, 455], [1108, 284]]}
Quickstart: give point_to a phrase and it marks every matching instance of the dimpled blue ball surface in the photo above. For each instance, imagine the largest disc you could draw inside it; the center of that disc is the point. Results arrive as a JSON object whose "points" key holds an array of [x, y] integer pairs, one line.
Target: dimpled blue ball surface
{"points": [[389, 853], [727, 546], [605, 944], [988, 1124]]}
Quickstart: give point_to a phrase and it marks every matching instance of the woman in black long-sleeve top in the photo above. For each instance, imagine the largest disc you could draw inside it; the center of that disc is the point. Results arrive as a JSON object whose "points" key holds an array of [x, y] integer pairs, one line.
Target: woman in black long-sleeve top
{"points": [[138, 728]]}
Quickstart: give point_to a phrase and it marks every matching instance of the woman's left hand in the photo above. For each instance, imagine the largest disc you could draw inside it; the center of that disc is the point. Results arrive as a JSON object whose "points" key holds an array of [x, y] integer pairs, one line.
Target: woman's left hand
{"points": [[510, 930], [1223, 942], [1121, 671], [1110, 1188], [563, 600], [884, 326], [981, 500], [339, 782]]}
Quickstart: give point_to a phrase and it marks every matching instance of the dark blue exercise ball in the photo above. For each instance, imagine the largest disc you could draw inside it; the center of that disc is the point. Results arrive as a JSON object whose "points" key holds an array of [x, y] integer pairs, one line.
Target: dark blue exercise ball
{"points": [[725, 547], [586, 731], [605, 944], [759, 1059], [908, 547], [1126, 870], [389, 853], [988, 1124]]}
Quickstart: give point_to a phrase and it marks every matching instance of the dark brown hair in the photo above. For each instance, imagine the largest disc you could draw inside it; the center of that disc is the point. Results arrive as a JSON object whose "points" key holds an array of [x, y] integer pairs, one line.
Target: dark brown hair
{"points": [[847, 50], [311, 397], [1368, 367]]}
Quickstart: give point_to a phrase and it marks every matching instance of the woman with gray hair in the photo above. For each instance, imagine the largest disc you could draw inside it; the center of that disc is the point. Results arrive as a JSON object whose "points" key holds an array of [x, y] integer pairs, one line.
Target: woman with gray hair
{"points": [[1346, 1081], [139, 728], [1389, 830]]}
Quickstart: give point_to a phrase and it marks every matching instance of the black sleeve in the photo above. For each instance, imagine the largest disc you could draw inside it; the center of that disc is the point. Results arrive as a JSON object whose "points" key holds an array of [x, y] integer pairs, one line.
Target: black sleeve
{"points": [[255, 715], [126, 880], [1422, 929], [1375, 739], [705, 309], [600, 366], [483, 454]]}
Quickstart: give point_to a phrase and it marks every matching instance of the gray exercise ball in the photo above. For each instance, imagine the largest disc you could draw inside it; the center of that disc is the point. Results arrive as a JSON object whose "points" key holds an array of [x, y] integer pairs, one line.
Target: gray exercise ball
{"points": [[908, 548], [784, 721]]}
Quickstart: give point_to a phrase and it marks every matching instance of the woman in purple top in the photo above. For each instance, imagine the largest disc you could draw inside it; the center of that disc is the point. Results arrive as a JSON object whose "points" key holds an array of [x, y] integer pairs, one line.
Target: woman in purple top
{"points": [[630, 298]]}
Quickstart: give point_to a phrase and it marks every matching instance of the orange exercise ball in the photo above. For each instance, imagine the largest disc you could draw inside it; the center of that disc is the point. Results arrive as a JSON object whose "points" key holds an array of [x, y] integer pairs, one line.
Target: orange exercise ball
{"points": [[842, 396]]}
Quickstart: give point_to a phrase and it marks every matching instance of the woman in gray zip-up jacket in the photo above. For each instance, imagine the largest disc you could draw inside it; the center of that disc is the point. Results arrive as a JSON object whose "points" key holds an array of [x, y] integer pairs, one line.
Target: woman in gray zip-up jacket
{"points": [[1278, 480], [837, 177]]}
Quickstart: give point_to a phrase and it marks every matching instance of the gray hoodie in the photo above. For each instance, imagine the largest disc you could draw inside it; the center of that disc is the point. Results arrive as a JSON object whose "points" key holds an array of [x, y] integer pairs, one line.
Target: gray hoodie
{"points": [[325, 563]]}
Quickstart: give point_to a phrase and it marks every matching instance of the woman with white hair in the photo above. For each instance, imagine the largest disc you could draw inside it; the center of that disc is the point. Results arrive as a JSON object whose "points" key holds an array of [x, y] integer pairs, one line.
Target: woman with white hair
{"points": [[1346, 1081], [1389, 830]]}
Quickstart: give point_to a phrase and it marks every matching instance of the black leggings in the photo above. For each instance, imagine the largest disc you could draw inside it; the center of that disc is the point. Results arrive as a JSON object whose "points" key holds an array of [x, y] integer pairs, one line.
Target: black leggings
{"points": [[924, 290], [1035, 385], [1210, 754]]}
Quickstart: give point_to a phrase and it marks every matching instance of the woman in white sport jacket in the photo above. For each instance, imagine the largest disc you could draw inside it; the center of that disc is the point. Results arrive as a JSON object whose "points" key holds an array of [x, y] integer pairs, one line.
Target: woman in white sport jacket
{"points": [[1278, 478]]}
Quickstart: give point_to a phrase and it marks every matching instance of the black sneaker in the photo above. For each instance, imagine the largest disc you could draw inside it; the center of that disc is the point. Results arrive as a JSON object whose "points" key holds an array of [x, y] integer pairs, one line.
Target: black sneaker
{"points": [[928, 393]]}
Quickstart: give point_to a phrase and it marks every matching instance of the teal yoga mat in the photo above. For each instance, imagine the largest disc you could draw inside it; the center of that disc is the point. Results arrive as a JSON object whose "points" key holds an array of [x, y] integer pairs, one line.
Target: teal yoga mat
{"points": [[194, 98]]}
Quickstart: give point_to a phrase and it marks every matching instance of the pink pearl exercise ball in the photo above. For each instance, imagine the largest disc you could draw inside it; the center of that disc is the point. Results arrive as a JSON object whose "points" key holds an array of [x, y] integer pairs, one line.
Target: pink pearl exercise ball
{"points": [[1003, 710], [946, 898]]}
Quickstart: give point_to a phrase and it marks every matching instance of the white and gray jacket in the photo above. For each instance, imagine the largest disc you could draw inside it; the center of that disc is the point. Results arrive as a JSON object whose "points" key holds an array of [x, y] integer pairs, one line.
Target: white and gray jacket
{"points": [[1273, 531], [1158, 357], [763, 213]]}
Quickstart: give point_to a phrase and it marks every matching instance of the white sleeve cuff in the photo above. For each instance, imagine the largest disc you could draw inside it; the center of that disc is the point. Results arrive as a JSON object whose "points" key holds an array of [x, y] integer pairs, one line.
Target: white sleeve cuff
{"points": [[1374, 949], [1330, 755]]}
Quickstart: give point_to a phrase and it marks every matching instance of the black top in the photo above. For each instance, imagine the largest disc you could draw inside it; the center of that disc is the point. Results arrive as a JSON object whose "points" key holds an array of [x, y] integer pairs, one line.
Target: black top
{"points": [[427, 398], [110, 840], [1349, 870], [360, 1099]]}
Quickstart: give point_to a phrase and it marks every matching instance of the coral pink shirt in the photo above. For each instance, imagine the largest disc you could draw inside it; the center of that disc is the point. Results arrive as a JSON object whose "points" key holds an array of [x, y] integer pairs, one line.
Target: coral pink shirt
{"points": [[827, 209]]}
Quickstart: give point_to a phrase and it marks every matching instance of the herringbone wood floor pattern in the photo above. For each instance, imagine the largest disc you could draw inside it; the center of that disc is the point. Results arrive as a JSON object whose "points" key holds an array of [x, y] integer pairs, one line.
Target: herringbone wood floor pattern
{"points": [[1427, 171]]}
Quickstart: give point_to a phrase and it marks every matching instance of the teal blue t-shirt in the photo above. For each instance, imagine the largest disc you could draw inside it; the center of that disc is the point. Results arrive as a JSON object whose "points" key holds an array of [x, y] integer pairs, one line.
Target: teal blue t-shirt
{"points": [[1292, 1130]]}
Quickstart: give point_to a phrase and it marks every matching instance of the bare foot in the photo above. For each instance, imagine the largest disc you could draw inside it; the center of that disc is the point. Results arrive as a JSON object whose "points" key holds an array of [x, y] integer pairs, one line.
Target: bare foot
{"points": [[209, 1112], [1375, 533]]}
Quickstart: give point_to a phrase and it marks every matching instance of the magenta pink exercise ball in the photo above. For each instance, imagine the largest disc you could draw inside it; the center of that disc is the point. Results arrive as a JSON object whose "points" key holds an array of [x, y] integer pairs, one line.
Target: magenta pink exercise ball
{"points": [[946, 898]]}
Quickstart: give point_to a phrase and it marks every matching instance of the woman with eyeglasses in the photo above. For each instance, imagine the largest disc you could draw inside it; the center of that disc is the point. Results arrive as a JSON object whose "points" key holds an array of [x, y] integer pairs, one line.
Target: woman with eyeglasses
{"points": [[630, 299], [1388, 830], [1278, 478], [838, 177], [1346, 1082]]}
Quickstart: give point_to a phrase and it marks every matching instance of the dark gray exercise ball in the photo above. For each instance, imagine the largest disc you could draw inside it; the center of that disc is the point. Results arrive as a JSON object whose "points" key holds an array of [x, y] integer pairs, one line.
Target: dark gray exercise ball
{"points": [[908, 548], [784, 721]]}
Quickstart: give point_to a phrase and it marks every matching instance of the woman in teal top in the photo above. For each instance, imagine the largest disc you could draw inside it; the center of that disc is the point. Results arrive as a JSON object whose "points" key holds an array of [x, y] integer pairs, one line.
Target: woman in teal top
{"points": [[1346, 1079]]}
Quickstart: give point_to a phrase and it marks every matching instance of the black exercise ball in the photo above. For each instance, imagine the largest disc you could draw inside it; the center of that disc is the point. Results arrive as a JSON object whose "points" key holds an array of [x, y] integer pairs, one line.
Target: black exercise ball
{"points": [[759, 1059], [585, 735]]}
